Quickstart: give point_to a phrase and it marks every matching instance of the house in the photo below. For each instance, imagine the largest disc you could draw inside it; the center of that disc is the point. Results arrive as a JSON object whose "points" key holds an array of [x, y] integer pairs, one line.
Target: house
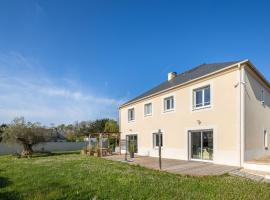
{"points": [[216, 113]]}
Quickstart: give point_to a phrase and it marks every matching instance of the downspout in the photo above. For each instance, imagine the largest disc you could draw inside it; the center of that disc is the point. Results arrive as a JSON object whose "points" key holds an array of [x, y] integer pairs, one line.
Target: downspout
{"points": [[242, 114]]}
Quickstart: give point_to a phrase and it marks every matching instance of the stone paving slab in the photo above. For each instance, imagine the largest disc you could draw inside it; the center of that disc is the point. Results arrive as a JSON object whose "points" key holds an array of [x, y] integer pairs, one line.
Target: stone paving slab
{"points": [[183, 167], [246, 174]]}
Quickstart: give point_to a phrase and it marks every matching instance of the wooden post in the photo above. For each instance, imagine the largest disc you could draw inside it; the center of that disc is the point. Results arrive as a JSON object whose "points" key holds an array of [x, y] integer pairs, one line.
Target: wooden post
{"points": [[89, 142], [100, 142], [159, 148], [119, 142]]}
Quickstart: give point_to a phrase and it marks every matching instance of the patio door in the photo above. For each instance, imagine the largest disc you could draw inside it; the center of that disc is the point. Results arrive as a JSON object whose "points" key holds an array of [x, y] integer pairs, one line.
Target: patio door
{"points": [[132, 141], [201, 145]]}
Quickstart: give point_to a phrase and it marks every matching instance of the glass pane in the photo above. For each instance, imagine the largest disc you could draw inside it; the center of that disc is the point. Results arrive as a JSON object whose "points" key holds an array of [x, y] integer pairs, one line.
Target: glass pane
{"points": [[157, 140], [207, 96], [168, 104], [172, 103], [207, 152], [198, 98], [148, 109], [135, 143], [196, 145], [145, 109], [131, 114]]}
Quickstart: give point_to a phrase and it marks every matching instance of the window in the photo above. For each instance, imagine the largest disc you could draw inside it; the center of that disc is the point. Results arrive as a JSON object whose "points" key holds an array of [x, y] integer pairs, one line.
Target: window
{"points": [[169, 103], [156, 140], [147, 109], [201, 97], [131, 114], [265, 137]]}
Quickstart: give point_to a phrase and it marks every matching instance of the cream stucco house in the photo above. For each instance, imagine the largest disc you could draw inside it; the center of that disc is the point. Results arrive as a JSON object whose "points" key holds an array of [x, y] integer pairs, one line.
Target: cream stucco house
{"points": [[216, 113]]}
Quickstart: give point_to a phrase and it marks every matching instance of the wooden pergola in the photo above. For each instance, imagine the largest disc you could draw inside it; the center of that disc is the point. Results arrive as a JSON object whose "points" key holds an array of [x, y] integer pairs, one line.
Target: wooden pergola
{"points": [[101, 136]]}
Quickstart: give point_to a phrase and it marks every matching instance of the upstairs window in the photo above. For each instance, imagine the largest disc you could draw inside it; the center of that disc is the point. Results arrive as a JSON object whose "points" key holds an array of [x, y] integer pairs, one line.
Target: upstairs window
{"points": [[156, 140], [169, 104], [265, 137], [201, 97], [148, 109], [131, 114]]}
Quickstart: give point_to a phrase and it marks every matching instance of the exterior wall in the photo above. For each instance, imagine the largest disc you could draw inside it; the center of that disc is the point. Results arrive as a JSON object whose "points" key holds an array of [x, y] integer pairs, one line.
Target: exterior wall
{"points": [[257, 116], [221, 117]]}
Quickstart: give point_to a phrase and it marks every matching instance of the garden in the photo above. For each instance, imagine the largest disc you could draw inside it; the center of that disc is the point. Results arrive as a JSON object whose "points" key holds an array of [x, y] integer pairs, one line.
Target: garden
{"points": [[69, 175]]}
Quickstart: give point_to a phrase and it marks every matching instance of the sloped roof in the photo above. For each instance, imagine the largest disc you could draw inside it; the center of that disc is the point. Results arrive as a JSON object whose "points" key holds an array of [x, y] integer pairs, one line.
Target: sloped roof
{"points": [[184, 77]]}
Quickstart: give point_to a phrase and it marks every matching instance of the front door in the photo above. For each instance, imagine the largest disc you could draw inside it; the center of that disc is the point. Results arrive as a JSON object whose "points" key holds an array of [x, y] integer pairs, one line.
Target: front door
{"points": [[201, 145], [132, 141]]}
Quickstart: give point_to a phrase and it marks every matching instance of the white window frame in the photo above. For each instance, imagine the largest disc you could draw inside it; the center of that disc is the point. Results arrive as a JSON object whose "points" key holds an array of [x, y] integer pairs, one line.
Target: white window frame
{"points": [[129, 119], [155, 146], [265, 139], [148, 114], [202, 89], [165, 103]]}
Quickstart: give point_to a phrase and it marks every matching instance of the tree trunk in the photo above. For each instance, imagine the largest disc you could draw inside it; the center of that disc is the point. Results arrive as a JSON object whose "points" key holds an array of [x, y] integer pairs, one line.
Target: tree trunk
{"points": [[27, 150]]}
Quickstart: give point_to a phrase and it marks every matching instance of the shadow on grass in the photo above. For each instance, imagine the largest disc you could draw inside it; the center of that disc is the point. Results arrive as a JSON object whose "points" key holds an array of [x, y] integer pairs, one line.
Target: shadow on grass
{"points": [[4, 182], [59, 153]]}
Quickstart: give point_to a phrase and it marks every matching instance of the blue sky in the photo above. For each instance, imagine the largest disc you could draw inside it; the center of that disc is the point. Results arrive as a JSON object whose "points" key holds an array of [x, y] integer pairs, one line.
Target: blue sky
{"points": [[62, 61]]}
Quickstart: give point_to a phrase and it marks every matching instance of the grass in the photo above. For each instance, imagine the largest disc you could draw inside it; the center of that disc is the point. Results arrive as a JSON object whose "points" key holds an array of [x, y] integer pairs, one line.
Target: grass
{"points": [[72, 176]]}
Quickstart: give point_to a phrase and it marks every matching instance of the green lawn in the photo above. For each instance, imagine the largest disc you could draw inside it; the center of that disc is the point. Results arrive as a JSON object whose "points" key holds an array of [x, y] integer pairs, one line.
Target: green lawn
{"points": [[72, 176]]}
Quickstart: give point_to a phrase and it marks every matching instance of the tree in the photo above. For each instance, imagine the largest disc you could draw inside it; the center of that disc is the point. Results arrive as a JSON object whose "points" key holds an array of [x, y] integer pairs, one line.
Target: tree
{"points": [[71, 136], [98, 126], [111, 126], [2, 128], [26, 134]]}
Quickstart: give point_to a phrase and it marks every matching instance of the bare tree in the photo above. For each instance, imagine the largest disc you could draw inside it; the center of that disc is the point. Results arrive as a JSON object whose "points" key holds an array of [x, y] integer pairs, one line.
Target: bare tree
{"points": [[26, 134]]}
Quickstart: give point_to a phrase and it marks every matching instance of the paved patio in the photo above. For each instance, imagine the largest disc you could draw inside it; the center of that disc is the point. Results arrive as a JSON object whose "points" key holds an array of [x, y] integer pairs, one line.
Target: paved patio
{"points": [[261, 160], [183, 167]]}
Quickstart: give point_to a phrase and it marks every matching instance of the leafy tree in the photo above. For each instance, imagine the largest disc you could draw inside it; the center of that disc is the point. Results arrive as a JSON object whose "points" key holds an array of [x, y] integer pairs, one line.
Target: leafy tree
{"points": [[98, 126], [2, 128], [26, 134], [111, 126], [71, 136]]}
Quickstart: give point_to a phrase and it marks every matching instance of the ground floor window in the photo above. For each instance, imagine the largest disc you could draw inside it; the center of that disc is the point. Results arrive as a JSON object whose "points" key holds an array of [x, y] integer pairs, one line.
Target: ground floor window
{"points": [[201, 145], [156, 140]]}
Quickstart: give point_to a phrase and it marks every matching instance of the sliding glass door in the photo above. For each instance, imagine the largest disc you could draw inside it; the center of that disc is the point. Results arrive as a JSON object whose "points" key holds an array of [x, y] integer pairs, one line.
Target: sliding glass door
{"points": [[201, 145]]}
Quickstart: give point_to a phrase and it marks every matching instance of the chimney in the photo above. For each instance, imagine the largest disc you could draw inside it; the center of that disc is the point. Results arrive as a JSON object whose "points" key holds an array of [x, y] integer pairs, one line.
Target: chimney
{"points": [[171, 75]]}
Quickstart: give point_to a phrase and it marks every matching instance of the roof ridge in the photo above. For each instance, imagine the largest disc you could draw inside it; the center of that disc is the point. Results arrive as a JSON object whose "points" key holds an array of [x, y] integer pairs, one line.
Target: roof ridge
{"points": [[216, 63]]}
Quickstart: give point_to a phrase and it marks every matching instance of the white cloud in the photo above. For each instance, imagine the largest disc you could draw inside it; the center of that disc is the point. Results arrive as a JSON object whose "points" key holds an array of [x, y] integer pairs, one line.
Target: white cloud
{"points": [[26, 90]]}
